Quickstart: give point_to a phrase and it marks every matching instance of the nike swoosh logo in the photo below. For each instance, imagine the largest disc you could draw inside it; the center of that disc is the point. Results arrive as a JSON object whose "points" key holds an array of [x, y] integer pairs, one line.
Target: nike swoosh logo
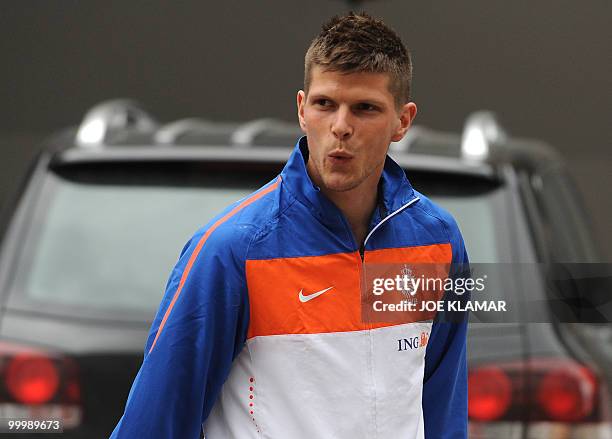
{"points": [[305, 299]]}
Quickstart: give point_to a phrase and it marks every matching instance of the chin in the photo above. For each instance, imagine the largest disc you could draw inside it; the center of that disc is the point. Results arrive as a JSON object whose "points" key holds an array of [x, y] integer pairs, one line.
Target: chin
{"points": [[340, 185]]}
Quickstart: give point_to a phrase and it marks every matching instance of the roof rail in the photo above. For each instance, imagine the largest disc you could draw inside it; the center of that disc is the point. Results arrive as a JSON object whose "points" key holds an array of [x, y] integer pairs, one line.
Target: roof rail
{"points": [[480, 130], [110, 117], [246, 133], [169, 133]]}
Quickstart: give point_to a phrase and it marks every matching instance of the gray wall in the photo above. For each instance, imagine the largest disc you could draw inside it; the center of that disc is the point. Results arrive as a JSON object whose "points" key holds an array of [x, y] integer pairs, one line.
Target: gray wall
{"points": [[545, 66]]}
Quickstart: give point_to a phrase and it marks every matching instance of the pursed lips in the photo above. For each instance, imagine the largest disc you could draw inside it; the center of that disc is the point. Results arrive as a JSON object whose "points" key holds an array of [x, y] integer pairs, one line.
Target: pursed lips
{"points": [[338, 157]]}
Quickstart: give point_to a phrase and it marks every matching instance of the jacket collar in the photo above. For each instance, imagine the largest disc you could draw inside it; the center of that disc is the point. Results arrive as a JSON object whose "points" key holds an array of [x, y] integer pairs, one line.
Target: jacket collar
{"points": [[394, 188]]}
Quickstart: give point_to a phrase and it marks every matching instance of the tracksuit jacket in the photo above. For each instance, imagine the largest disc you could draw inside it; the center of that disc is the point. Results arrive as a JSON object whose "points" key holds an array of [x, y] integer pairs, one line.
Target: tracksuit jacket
{"points": [[239, 350]]}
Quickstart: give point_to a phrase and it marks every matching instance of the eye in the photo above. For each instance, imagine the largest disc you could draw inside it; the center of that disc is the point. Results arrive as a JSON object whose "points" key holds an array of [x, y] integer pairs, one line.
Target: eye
{"points": [[364, 106], [323, 102]]}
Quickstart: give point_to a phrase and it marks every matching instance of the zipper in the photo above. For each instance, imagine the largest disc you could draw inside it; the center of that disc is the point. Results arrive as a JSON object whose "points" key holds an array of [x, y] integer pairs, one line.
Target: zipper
{"points": [[369, 325], [408, 204], [361, 261], [361, 258]]}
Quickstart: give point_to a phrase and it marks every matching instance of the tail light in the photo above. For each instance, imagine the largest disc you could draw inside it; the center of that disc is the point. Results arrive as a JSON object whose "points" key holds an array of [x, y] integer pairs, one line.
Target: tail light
{"points": [[541, 398], [567, 395], [490, 393], [558, 390], [539, 390], [38, 384], [32, 378]]}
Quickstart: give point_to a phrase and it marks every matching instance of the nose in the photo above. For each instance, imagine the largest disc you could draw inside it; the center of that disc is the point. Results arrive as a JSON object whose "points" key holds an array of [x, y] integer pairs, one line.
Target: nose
{"points": [[342, 127]]}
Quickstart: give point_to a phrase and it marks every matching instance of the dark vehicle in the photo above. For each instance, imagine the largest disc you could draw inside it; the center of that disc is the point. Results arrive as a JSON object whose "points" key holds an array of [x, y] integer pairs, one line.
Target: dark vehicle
{"points": [[90, 241]]}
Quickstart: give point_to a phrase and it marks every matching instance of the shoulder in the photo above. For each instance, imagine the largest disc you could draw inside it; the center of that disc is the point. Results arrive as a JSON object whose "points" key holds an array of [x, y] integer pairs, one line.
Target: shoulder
{"points": [[441, 215], [231, 231], [445, 221]]}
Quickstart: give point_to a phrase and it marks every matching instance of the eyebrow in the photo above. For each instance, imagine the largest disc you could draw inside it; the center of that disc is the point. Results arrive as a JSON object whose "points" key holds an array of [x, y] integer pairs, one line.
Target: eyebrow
{"points": [[372, 101]]}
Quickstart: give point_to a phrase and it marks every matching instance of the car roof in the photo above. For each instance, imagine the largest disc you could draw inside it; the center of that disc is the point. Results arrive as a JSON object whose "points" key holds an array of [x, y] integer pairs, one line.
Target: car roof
{"points": [[122, 131]]}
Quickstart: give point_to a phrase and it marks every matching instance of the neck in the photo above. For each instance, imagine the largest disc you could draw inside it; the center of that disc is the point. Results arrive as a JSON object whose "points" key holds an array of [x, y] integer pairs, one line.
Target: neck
{"points": [[357, 206]]}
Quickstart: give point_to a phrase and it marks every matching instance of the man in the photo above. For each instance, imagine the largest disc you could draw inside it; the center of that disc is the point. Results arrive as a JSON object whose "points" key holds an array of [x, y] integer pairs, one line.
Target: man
{"points": [[260, 332]]}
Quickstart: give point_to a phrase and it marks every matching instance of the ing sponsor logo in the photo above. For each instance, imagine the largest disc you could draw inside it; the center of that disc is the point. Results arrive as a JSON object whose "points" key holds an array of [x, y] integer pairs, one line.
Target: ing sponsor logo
{"points": [[416, 342]]}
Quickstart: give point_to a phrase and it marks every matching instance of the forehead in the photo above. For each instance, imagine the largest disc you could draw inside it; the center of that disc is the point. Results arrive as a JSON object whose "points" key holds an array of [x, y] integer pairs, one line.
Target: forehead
{"points": [[355, 86]]}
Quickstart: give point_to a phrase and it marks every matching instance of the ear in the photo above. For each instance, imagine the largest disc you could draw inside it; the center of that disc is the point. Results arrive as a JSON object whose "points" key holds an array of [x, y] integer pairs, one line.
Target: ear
{"points": [[301, 101], [406, 115]]}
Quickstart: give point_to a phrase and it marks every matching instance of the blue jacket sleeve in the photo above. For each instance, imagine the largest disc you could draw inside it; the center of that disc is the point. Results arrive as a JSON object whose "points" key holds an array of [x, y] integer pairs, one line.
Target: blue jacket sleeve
{"points": [[193, 340], [445, 377]]}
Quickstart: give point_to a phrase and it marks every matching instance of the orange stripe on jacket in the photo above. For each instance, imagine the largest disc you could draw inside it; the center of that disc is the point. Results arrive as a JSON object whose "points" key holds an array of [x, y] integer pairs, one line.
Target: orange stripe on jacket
{"points": [[275, 286], [196, 252], [421, 254], [431, 262]]}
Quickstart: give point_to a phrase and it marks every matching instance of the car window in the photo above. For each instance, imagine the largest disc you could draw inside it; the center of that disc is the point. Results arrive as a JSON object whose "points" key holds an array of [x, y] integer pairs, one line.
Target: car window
{"points": [[476, 218], [106, 240], [564, 216], [106, 245]]}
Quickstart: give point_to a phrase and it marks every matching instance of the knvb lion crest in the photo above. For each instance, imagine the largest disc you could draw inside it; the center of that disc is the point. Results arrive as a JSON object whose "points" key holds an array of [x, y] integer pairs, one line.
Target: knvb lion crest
{"points": [[410, 290]]}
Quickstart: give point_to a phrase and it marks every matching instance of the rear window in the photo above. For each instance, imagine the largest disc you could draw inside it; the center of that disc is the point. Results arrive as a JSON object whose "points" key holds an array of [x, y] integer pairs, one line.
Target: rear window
{"points": [[104, 238]]}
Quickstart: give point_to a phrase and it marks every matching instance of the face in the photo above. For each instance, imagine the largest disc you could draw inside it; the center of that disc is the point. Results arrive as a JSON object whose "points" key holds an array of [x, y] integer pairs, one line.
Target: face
{"points": [[350, 120]]}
